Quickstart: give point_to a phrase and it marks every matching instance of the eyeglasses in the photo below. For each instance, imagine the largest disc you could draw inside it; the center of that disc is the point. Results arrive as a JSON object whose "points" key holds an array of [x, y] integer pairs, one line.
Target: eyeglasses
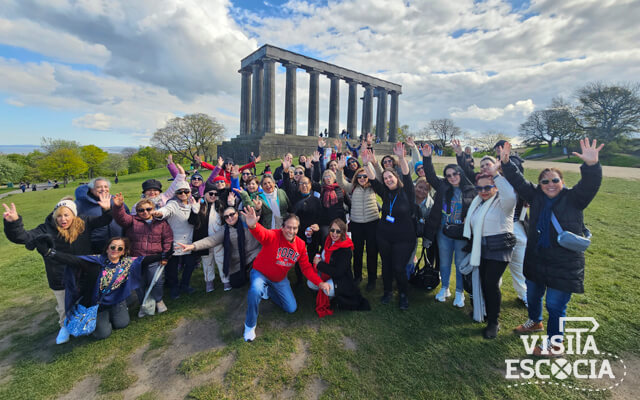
{"points": [[452, 175], [179, 192], [113, 247], [298, 173], [212, 193], [304, 183], [546, 181], [335, 231], [229, 216], [486, 188], [361, 176], [387, 161], [140, 210], [196, 178]]}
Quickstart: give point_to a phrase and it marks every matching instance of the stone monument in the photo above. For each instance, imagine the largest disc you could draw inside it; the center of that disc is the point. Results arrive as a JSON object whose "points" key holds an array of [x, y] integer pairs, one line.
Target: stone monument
{"points": [[257, 108]]}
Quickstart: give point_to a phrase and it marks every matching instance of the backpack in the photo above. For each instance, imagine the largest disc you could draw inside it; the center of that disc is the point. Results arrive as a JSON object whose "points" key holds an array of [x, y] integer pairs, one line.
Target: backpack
{"points": [[427, 277]]}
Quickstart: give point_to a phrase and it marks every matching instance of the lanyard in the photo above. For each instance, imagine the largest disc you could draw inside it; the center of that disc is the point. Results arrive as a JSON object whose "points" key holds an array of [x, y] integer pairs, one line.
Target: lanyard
{"points": [[392, 203]]}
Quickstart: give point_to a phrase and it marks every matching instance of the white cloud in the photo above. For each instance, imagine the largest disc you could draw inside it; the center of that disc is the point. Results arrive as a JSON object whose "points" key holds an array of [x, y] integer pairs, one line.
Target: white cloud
{"points": [[522, 107], [96, 122]]}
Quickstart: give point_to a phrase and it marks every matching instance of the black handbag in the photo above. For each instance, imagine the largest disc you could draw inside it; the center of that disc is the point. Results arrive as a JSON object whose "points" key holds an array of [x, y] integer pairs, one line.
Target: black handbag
{"points": [[426, 277], [501, 241], [453, 231]]}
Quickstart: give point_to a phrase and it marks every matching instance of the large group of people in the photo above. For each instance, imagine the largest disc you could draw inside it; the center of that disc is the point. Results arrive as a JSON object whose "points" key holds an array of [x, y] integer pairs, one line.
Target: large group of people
{"points": [[320, 216]]}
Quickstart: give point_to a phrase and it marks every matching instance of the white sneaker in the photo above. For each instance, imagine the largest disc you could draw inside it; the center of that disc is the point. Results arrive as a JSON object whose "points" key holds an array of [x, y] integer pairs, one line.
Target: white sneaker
{"points": [[249, 334], [63, 336], [209, 286], [443, 294], [161, 307], [265, 294], [459, 300]]}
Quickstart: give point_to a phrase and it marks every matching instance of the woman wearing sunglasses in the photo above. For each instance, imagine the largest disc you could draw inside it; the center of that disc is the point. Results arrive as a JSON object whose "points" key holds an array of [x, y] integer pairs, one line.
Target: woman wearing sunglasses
{"points": [[116, 276], [548, 267], [240, 247], [489, 226], [454, 194], [177, 212], [364, 215], [71, 233], [147, 236]]}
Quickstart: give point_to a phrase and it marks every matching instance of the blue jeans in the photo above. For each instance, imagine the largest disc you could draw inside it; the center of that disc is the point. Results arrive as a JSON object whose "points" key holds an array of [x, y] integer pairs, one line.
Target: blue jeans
{"points": [[557, 301], [279, 292], [447, 247]]}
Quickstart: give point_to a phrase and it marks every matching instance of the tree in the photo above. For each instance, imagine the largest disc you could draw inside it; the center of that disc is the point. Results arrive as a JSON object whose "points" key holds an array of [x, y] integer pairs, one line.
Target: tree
{"points": [[137, 163], [608, 113], [486, 140], [155, 158], [10, 171], [116, 163], [444, 130], [94, 157], [63, 164], [189, 135], [49, 145], [128, 151], [554, 124]]}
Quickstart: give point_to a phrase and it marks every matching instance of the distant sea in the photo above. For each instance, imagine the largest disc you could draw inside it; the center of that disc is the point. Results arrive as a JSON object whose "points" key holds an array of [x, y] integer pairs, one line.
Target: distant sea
{"points": [[28, 148]]}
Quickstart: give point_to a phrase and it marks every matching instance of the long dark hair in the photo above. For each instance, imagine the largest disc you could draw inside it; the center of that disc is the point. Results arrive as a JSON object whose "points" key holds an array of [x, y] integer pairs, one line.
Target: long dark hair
{"points": [[125, 240]]}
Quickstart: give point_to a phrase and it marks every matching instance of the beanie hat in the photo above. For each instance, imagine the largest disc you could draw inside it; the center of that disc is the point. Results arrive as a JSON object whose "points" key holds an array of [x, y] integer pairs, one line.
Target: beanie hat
{"points": [[228, 160], [221, 178], [183, 185], [418, 164], [70, 204], [196, 175], [209, 186], [151, 184]]}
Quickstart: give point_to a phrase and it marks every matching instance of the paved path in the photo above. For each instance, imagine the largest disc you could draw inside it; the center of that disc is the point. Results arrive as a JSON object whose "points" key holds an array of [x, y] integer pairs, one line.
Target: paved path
{"points": [[612, 172], [40, 186]]}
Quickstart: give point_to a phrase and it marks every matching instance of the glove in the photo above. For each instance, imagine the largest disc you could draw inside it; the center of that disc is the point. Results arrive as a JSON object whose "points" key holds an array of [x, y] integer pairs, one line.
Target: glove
{"points": [[44, 244]]}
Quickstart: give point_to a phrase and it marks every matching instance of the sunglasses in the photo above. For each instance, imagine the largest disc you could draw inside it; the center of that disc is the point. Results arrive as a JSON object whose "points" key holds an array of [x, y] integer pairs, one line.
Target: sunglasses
{"points": [[195, 178], [212, 193], [419, 169], [298, 173], [140, 210], [387, 161], [361, 176], [486, 188], [228, 216], [246, 174], [179, 192], [219, 182], [114, 248], [546, 181], [452, 175], [335, 231]]}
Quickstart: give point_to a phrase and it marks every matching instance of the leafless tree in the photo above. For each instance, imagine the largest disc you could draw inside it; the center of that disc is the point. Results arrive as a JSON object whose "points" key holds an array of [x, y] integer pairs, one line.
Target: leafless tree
{"points": [[190, 135], [444, 130]]}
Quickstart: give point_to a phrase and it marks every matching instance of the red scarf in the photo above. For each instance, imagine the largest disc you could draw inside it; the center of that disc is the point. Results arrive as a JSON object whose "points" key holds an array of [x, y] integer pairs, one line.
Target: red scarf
{"points": [[329, 196], [323, 304]]}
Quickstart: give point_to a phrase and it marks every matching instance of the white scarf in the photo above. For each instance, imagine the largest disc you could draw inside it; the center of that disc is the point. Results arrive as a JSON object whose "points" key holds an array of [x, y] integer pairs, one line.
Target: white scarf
{"points": [[477, 226]]}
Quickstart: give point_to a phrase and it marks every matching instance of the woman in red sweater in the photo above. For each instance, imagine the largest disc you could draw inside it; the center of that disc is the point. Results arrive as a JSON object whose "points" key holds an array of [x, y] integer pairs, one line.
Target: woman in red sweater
{"points": [[281, 249]]}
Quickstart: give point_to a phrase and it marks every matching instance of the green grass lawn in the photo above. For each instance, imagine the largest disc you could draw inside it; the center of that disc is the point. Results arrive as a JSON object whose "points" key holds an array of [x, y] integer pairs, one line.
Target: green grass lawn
{"points": [[431, 351]]}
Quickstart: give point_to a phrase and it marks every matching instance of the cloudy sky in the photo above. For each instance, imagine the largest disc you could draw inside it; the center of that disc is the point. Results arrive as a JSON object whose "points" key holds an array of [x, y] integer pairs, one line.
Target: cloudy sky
{"points": [[110, 72]]}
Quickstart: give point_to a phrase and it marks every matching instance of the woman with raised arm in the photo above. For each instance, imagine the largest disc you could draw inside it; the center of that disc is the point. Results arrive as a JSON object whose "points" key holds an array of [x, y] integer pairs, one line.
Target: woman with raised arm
{"points": [[454, 194], [116, 276], [364, 216], [71, 234], [396, 233], [549, 267], [152, 188]]}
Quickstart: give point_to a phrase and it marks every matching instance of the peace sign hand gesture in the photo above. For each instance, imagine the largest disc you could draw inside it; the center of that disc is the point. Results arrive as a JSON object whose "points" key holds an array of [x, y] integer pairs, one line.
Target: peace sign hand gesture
{"points": [[589, 151], [10, 214]]}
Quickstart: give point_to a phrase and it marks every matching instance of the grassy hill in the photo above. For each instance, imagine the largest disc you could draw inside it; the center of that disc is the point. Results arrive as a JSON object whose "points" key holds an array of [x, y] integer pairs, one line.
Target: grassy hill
{"points": [[431, 351]]}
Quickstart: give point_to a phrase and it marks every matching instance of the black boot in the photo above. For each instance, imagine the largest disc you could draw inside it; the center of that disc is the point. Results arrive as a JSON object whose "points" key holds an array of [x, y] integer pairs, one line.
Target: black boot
{"points": [[371, 285], [403, 302], [491, 331], [386, 298]]}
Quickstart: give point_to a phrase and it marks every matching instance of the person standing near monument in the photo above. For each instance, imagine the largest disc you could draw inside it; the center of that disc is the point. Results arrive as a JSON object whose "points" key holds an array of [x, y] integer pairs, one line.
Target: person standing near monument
{"points": [[281, 249]]}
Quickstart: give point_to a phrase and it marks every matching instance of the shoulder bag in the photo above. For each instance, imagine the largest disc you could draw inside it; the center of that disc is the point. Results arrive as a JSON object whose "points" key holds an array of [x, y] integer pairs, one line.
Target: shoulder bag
{"points": [[570, 240], [427, 277]]}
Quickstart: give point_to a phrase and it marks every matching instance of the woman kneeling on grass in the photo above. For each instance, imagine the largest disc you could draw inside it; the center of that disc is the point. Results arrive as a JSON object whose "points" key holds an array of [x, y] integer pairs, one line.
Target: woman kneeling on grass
{"points": [[335, 267], [71, 233], [548, 266], [117, 276]]}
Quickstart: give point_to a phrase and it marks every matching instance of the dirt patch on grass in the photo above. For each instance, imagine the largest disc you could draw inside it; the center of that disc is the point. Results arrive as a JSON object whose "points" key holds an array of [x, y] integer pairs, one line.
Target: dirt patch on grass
{"points": [[159, 374], [315, 389], [349, 344], [299, 357], [85, 389], [630, 387]]}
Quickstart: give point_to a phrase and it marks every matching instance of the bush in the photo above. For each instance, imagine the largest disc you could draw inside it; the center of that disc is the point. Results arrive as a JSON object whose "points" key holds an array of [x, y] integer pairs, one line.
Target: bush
{"points": [[10, 171]]}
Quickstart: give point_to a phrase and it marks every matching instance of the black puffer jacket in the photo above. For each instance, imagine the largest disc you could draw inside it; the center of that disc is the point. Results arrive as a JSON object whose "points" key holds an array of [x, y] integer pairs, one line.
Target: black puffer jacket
{"points": [[556, 267], [348, 295], [81, 246], [444, 193]]}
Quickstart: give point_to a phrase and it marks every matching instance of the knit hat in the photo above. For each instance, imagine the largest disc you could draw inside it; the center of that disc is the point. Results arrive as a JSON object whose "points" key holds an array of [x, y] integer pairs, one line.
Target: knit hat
{"points": [[221, 178], [151, 184], [228, 160], [69, 203], [209, 186], [183, 185], [418, 164], [196, 175]]}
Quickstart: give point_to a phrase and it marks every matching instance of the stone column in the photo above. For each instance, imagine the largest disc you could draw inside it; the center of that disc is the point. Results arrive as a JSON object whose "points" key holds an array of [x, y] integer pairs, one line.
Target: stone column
{"points": [[245, 103], [381, 116], [352, 110], [314, 103], [268, 96], [393, 118], [367, 110], [290, 98], [256, 99], [334, 106]]}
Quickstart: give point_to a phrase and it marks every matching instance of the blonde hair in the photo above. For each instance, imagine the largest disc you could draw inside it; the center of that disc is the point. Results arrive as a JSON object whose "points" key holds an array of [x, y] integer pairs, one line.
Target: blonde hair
{"points": [[74, 230]]}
